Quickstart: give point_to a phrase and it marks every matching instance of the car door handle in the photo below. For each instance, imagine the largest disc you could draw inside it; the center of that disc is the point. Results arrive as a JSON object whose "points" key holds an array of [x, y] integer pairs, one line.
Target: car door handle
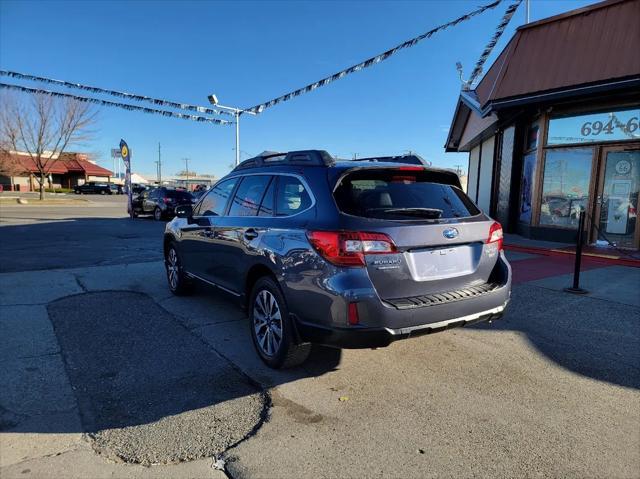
{"points": [[250, 234]]}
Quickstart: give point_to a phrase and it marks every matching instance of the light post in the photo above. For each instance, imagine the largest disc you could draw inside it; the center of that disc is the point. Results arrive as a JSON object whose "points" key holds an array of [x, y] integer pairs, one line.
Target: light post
{"points": [[236, 113]]}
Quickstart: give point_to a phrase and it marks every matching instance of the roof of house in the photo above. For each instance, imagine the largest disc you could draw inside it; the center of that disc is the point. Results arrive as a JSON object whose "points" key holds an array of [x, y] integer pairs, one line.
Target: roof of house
{"points": [[575, 53], [66, 164]]}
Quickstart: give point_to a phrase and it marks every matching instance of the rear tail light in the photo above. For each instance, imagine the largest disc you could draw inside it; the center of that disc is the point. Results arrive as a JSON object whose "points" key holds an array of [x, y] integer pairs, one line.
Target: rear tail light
{"points": [[495, 235], [348, 248]]}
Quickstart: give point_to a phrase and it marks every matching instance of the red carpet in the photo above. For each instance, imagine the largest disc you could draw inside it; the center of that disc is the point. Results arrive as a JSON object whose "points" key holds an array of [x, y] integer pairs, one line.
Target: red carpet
{"points": [[552, 265]]}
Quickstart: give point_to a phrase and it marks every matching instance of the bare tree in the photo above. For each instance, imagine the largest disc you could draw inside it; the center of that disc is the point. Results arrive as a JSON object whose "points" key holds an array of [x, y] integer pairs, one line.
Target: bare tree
{"points": [[44, 127]]}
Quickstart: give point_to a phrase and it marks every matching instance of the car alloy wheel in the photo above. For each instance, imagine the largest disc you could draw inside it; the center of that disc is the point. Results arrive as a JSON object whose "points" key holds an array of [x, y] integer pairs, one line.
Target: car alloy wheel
{"points": [[179, 282], [272, 330], [173, 269], [267, 323]]}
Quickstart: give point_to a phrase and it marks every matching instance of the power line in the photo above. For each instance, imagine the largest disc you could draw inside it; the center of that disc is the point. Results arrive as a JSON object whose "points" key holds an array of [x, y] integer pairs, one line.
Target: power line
{"points": [[124, 106], [371, 61], [120, 94]]}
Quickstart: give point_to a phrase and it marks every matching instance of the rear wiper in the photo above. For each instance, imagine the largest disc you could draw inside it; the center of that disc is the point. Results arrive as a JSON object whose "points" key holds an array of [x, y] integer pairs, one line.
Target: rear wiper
{"points": [[426, 212]]}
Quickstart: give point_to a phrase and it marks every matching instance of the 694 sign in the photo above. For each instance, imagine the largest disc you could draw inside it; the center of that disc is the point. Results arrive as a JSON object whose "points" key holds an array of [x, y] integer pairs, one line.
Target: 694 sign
{"points": [[617, 125], [598, 127]]}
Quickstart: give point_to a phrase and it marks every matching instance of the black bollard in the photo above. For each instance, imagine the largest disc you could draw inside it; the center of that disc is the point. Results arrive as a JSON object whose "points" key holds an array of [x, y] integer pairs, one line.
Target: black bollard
{"points": [[576, 289]]}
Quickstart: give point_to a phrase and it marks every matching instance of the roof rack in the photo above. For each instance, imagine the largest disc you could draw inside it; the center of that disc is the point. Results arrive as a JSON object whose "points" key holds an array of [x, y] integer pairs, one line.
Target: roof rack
{"points": [[297, 158]]}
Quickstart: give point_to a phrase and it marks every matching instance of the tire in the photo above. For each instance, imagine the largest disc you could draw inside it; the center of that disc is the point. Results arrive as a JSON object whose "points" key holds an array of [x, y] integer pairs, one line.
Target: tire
{"points": [[157, 214], [268, 315], [77, 192], [179, 283], [102, 192]]}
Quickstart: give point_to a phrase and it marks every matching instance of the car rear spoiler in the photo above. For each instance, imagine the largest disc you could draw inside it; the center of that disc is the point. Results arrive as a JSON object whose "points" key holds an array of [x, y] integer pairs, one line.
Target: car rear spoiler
{"points": [[435, 175]]}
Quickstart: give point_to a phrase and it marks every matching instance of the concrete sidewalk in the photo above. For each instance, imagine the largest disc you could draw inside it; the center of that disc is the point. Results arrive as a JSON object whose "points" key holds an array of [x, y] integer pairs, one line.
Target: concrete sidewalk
{"points": [[535, 393], [73, 405], [603, 279]]}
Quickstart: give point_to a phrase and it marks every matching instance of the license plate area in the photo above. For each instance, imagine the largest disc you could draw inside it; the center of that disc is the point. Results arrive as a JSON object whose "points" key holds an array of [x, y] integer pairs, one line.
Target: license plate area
{"points": [[434, 264]]}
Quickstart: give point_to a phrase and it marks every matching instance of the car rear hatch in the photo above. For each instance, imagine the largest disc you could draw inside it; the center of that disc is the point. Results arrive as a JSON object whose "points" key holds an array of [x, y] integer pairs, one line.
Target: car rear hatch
{"points": [[179, 198], [438, 240]]}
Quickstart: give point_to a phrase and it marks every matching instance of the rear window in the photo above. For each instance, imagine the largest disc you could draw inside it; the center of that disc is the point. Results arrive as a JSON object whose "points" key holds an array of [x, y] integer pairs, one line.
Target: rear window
{"points": [[292, 197], [179, 195], [401, 195], [249, 195]]}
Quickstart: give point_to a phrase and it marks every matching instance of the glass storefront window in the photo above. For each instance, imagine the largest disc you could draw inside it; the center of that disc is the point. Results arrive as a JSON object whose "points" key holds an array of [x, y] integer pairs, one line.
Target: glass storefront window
{"points": [[526, 186], [565, 188], [615, 125], [532, 137], [619, 206]]}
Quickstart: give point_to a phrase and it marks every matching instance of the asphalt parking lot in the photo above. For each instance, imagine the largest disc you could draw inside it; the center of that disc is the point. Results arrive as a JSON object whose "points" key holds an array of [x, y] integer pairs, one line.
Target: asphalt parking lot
{"points": [[106, 374]]}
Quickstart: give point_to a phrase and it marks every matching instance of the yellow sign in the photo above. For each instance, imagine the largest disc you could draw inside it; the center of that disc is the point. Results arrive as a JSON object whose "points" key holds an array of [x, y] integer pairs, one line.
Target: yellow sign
{"points": [[124, 151]]}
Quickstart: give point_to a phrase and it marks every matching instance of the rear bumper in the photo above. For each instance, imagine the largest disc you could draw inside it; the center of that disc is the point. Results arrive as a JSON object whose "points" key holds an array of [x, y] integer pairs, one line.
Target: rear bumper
{"points": [[383, 321], [358, 337]]}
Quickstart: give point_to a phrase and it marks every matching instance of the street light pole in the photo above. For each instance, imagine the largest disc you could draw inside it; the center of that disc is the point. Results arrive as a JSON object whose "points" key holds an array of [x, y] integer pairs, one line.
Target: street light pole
{"points": [[236, 113], [237, 137]]}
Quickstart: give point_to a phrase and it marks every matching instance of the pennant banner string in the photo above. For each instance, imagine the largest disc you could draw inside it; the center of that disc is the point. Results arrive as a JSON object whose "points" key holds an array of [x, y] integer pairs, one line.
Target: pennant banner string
{"points": [[371, 61], [119, 94], [508, 14], [124, 106]]}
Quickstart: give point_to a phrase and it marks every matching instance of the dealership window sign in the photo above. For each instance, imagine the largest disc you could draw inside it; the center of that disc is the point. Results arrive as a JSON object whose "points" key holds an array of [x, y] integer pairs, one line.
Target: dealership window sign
{"points": [[616, 125]]}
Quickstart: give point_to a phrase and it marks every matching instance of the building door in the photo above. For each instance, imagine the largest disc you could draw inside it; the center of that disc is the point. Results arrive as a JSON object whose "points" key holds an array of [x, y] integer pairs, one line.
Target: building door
{"points": [[616, 208]]}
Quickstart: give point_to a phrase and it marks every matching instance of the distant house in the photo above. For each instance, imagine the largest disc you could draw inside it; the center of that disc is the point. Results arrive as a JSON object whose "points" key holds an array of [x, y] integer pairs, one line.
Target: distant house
{"points": [[553, 127], [18, 171]]}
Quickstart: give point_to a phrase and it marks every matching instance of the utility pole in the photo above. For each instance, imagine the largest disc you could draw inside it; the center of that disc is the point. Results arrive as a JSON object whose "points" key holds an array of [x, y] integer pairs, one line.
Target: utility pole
{"points": [[159, 167], [458, 169], [527, 2], [186, 167]]}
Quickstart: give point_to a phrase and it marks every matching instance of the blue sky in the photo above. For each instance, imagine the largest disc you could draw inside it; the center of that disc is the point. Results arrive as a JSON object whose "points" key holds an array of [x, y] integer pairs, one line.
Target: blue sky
{"points": [[250, 52]]}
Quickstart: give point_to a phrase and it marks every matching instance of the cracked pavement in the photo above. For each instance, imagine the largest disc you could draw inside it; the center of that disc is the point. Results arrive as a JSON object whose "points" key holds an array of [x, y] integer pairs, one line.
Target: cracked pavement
{"points": [[102, 365]]}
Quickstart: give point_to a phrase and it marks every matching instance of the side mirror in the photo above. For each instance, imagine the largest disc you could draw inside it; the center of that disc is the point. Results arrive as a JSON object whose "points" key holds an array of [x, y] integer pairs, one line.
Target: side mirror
{"points": [[184, 211]]}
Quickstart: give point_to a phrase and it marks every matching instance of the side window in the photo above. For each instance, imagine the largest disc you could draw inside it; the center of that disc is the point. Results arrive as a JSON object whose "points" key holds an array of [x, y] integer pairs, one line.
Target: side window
{"points": [[266, 207], [292, 197], [249, 195], [216, 200]]}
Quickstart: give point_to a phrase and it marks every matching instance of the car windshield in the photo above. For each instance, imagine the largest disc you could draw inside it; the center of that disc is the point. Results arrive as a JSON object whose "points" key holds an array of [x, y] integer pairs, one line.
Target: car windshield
{"points": [[401, 194]]}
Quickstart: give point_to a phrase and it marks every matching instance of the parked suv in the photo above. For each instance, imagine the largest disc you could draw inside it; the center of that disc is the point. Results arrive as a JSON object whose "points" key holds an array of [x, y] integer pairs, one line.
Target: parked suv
{"points": [[94, 188], [160, 202], [347, 254]]}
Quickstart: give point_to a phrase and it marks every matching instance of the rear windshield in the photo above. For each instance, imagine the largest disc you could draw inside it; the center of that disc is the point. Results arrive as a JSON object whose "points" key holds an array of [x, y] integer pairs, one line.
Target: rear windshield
{"points": [[401, 195], [179, 195]]}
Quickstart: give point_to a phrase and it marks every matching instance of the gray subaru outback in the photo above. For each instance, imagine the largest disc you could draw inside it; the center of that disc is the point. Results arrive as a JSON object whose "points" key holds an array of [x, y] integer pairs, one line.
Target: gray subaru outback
{"points": [[340, 253]]}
